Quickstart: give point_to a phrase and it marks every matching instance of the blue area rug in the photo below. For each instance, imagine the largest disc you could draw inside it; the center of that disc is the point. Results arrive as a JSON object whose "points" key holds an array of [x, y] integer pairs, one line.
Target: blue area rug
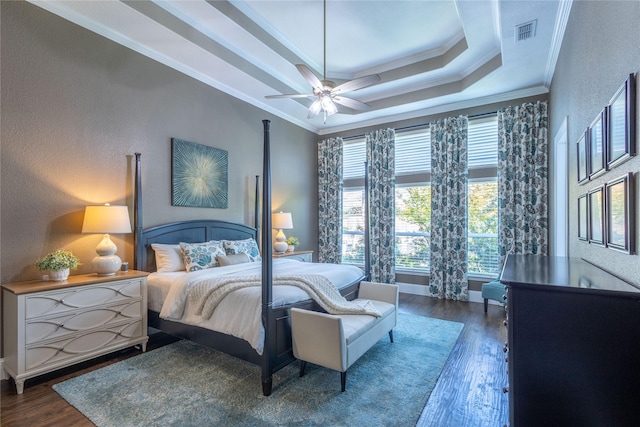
{"points": [[184, 384]]}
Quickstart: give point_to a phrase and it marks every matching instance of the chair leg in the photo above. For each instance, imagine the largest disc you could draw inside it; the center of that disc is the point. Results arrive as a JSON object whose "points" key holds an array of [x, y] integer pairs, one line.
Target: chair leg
{"points": [[303, 365], [486, 304], [391, 335], [343, 381]]}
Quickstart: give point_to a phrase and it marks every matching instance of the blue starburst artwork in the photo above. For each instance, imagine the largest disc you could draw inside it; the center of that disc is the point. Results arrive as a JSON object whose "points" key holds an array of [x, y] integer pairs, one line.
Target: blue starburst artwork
{"points": [[199, 175]]}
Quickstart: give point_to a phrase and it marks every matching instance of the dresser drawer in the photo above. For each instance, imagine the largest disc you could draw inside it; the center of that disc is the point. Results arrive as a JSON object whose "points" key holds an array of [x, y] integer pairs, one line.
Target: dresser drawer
{"points": [[79, 346], [50, 327], [72, 299]]}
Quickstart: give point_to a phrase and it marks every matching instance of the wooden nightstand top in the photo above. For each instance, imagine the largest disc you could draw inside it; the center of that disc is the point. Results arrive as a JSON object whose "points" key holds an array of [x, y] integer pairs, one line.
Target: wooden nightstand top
{"points": [[28, 287], [294, 253]]}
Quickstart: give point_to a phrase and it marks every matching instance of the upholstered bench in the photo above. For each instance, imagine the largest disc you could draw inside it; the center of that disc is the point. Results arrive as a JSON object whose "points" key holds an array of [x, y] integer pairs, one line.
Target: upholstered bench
{"points": [[337, 341], [493, 291]]}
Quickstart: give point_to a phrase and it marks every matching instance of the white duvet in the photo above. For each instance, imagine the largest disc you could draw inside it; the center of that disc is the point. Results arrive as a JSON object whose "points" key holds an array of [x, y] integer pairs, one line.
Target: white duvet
{"points": [[240, 313]]}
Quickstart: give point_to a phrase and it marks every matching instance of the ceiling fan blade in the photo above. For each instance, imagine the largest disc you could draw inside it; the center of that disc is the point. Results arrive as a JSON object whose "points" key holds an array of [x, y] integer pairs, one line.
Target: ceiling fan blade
{"points": [[309, 76], [294, 95], [356, 84], [352, 103]]}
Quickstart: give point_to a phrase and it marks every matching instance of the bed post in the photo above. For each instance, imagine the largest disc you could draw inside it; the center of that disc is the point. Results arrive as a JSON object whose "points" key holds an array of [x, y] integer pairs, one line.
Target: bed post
{"points": [[256, 204], [137, 217], [367, 254], [269, 335]]}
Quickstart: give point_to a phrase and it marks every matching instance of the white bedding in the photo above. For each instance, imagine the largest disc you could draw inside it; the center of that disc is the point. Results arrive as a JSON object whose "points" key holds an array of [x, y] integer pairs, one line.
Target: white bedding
{"points": [[239, 314]]}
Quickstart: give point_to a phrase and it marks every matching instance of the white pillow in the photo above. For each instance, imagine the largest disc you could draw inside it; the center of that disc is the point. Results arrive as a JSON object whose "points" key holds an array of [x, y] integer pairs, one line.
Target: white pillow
{"points": [[225, 260], [200, 256], [168, 258]]}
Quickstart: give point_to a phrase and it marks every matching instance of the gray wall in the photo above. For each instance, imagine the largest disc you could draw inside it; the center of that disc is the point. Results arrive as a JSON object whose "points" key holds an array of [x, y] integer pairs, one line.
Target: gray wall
{"points": [[601, 47], [76, 106]]}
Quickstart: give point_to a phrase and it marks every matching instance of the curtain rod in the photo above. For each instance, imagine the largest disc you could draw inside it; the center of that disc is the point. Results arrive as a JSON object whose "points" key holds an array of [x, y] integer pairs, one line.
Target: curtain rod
{"points": [[474, 116]]}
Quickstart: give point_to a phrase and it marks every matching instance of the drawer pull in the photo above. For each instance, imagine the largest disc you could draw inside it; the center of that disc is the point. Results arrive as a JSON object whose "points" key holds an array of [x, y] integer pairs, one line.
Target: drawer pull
{"points": [[505, 390], [505, 323], [505, 348]]}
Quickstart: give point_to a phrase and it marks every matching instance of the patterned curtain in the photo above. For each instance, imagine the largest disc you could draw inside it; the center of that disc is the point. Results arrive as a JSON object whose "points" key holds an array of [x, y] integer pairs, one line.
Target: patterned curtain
{"points": [[382, 185], [523, 211], [330, 200], [449, 175]]}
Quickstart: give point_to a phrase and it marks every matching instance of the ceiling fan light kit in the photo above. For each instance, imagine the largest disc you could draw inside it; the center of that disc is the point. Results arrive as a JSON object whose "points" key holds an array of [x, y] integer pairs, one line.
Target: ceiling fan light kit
{"points": [[326, 92]]}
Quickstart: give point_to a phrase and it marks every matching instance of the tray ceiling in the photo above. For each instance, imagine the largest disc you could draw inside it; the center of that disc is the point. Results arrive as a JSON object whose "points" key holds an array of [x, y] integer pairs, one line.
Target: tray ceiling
{"points": [[432, 56]]}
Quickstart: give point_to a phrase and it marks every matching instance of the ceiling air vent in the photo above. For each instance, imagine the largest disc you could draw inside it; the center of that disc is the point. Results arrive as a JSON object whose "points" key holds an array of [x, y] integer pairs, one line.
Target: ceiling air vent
{"points": [[526, 31]]}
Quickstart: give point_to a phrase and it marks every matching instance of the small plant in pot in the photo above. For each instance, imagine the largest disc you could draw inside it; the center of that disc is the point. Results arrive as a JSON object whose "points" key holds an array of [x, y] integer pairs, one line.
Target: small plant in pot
{"points": [[58, 264], [292, 242]]}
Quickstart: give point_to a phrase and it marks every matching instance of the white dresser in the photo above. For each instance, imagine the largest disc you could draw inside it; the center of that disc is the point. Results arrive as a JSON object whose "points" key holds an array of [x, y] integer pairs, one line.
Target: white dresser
{"points": [[50, 325]]}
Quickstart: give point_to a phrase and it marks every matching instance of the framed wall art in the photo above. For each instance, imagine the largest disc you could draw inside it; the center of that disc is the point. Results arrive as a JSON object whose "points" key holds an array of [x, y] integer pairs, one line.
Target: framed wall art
{"points": [[596, 216], [583, 159], [583, 215], [621, 126], [619, 206], [596, 137], [199, 175]]}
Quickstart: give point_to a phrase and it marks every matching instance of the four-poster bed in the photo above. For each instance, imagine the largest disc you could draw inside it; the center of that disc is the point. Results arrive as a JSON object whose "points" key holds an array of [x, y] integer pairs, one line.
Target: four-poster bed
{"points": [[277, 349]]}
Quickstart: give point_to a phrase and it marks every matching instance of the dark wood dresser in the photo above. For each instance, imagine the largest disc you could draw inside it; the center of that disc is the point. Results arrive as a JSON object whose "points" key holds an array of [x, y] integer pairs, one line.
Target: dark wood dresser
{"points": [[573, 345]]}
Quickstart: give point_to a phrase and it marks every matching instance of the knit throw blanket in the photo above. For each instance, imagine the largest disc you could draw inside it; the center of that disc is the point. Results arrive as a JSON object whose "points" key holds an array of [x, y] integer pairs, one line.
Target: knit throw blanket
{"points": [[204, 297]]}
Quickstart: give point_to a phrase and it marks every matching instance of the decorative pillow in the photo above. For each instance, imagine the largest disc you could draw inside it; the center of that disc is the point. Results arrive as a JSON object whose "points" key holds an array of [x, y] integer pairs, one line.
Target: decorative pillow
{"points": [[168, 258], [199, 256], [247, 246], [225, 260]]}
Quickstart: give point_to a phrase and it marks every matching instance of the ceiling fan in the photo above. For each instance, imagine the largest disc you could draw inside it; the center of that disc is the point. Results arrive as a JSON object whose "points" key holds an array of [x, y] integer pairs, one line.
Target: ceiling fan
{"points": [[325, 92]]}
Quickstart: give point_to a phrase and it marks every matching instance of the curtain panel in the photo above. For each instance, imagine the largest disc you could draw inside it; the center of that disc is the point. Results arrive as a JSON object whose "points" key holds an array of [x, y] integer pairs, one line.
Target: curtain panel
{"points": [[449, 176], [330, 200], [523, 218], [382, 183]]}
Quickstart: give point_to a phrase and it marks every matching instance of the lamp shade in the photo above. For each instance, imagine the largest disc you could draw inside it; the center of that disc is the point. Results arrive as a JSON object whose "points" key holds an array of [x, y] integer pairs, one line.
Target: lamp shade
{"points": [[106, 219], [282, 220]]}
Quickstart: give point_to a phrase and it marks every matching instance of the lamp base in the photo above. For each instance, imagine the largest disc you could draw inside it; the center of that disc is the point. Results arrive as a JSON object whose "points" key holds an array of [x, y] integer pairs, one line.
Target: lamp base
{"points": [[106, 265], [280, 247]]}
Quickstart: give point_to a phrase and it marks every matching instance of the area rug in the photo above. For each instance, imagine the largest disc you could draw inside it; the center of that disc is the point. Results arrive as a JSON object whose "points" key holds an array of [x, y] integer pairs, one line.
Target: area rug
{"points": [[185, 384]]}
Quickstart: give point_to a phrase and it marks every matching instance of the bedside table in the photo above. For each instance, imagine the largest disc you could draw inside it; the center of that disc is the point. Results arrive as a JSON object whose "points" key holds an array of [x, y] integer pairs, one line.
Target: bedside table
{"points": [[304, 256], [51, 325]]}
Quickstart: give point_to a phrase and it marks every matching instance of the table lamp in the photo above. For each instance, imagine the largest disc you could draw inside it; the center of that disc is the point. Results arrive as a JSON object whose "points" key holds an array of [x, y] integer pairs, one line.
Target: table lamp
{"points": [[281, 221], [106, 219]]}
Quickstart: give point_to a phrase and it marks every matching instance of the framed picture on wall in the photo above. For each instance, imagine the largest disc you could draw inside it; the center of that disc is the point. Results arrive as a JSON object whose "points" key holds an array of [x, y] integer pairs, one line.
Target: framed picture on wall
{"points": [[583, 224], [199, 175], [621, 126], [619, 207], [583, 159], [596, 216], [596, 137]]}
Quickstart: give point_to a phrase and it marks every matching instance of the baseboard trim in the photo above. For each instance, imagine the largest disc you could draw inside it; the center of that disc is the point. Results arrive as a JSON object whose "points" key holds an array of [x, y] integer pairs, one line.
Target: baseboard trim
{"points": [[3, 373], [408, 288]]}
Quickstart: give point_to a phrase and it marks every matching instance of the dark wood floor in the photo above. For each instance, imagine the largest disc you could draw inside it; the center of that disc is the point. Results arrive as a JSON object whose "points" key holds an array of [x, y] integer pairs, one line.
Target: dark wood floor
{"points": [[468, 392]]}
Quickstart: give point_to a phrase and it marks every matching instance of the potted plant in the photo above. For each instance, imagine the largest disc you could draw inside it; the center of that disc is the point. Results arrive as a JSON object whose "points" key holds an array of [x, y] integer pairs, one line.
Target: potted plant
{"points": [[58, 264], [292, 242]]}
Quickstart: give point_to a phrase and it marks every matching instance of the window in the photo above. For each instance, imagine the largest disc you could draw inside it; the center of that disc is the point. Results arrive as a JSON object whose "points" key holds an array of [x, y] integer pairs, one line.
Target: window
{"points": [[482, 250], [354, 156], [413, 199]]}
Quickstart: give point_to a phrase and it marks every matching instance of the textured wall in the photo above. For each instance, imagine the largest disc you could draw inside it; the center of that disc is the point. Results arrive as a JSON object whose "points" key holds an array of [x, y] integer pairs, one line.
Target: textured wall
{"points": [[76, 106], [600, 49]]}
